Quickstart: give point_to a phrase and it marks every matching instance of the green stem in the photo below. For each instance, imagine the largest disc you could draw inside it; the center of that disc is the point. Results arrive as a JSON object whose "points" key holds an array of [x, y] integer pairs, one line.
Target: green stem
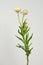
{"points": [[22, 18], [19, 19], [27, 60]]}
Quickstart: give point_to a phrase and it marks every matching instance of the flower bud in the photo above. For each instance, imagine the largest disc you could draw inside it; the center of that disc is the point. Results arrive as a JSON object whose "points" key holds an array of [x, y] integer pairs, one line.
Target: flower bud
{"points": [[26, 25], [25, 12], [17, 10]]}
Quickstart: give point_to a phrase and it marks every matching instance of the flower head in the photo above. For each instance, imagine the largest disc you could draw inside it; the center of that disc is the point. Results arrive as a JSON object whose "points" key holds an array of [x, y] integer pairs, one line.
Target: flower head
{"points": [[17, 10], [25, 12]]}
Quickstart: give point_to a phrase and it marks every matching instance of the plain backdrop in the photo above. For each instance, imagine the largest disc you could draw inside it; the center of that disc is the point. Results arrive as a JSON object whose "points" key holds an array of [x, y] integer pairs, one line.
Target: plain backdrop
{"points": [[9, 54]]}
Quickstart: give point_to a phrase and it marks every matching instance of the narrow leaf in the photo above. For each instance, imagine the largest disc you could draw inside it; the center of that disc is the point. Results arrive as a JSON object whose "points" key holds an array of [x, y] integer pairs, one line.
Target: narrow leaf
{"points": [[26, 36], [27, 30], [30, 38], [20, 27], [30, 44], [20, 46], [20, 38], [19, 32], [31, 49]]}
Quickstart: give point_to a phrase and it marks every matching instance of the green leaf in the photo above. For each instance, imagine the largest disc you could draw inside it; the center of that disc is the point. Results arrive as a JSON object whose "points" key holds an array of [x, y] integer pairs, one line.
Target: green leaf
{"points": [[30, 50], [30, 44], [20, 38], [20, 46], [20, 32], [30, 37], [27, 30], [24, 22], [20, 27], [26, 36]]}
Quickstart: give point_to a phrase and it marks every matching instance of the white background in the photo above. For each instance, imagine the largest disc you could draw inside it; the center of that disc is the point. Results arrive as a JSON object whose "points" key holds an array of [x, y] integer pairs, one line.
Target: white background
{"points": [[9, 54]]}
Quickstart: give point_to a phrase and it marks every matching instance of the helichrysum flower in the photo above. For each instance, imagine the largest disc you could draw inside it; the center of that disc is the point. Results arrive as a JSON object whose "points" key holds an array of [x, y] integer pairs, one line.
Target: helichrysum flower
{"points": [[17, 10], [25, 12]]}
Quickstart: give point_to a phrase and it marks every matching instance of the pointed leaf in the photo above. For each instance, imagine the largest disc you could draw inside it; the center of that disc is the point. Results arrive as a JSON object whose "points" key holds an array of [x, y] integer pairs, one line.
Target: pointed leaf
{"points": [[20, 46], [30, 50], [26, 36], [20, 27], [30, 37], [27, 30], [19, 32], [30, 44], [20, 38]]}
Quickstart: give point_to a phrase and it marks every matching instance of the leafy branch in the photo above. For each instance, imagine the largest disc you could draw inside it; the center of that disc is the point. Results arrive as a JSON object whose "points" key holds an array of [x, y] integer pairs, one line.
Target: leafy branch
{"points": [[23, 30]]}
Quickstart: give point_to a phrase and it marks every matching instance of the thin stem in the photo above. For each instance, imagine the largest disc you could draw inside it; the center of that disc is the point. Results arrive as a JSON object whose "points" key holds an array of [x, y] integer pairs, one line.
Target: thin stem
{"points": [[22, 18], [19, 19], [27, 60]]}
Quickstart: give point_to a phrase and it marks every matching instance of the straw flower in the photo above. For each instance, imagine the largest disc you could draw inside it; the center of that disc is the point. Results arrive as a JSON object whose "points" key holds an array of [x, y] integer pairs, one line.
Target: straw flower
{"points": [[17, 10], [25, 12]]}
